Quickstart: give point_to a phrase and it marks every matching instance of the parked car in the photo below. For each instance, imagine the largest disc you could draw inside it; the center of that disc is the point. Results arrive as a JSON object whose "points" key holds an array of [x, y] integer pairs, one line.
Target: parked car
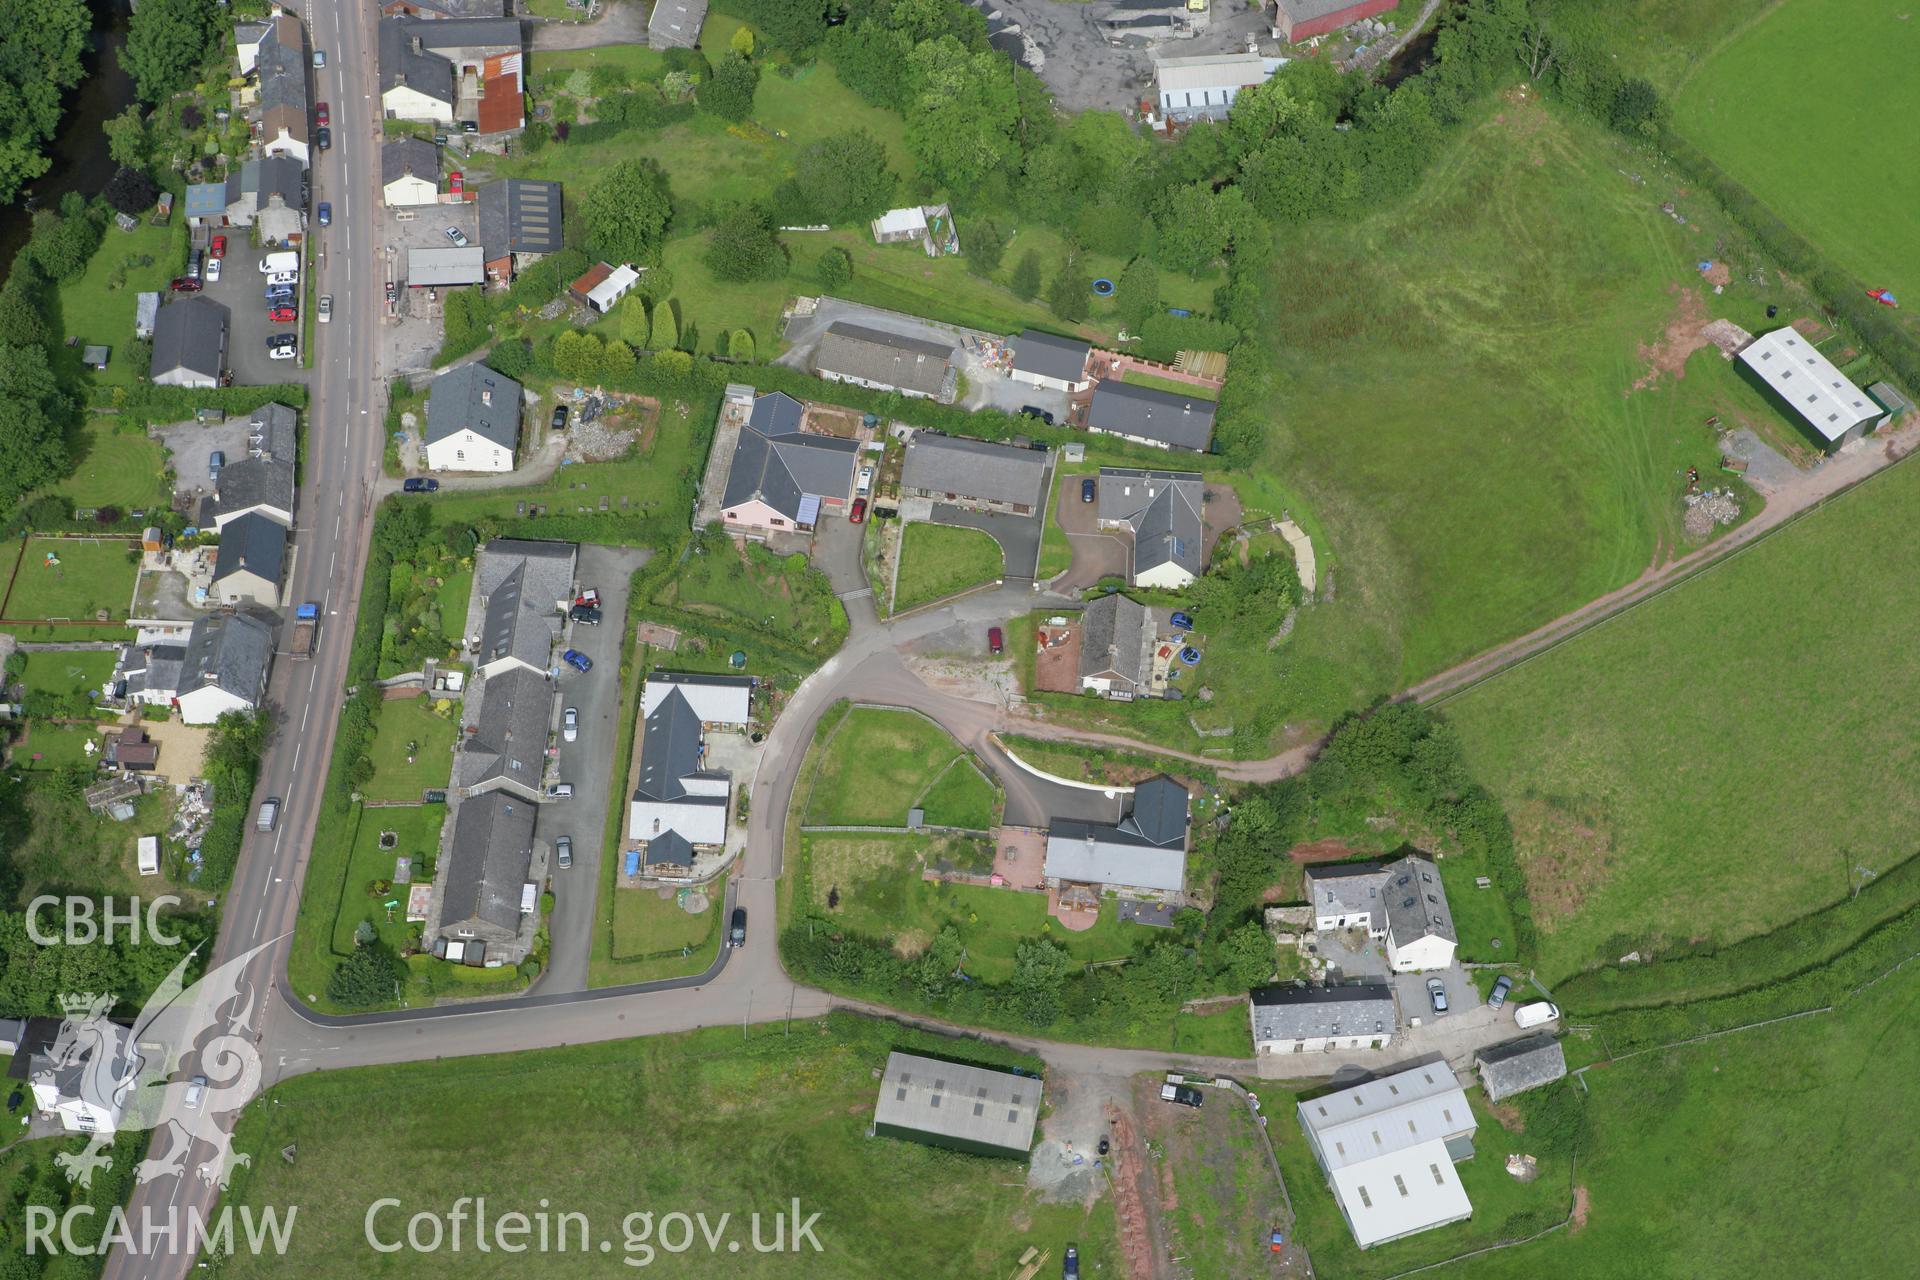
{"points": [[1437, 995], [326, 308], [1184, 1094], [269, 815], [184, 284], [326, 209], [570, 724], [560, 791], [590, 596], [1498, 996], [323, 138], [995, 640], [577, 660], [276, 294], [563, 852], [469, 126], [320, 114], [218, 248], [458, 236], [283, 279], [285, 351], [585, 614], [283, 339], [559, 421], [456, 179], [282, 315], [280, 260], [419, 484], [196, 1093], [216, 460], [1532, 1015], [213, 270], [1035, 411], [1086, 489], [859, 511], [194, 261], [1070, 1265], [1181, 621], [319, 57], [737, 930]]}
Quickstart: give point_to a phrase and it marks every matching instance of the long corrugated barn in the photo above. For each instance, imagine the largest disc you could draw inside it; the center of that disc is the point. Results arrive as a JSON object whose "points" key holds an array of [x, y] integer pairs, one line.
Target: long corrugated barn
{"points": [[962, 1108]]}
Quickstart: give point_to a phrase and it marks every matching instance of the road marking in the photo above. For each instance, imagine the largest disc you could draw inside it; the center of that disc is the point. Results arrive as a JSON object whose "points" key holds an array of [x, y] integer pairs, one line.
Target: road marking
{"points": [[303, 717], [256, 921], [296, 757]]}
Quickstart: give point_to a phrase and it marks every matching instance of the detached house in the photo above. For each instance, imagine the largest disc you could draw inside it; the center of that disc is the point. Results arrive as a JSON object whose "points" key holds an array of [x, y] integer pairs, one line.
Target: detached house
{"points": [[1117, 635], [473, 420], [780, 477], [189, 343], [975, 473], [409, 173], [1164, 512], [224, 668], [680, 806], [66, 1078], [1401, 903], [1143, 855], [1044, 360], [453, 69], [252, 554]]}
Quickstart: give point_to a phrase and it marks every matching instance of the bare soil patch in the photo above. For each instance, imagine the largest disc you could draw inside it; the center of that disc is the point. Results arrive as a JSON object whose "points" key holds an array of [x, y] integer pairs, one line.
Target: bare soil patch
{"points": [[1322, 851], [1564, 857], [1582, 1203], [1684, 334]]}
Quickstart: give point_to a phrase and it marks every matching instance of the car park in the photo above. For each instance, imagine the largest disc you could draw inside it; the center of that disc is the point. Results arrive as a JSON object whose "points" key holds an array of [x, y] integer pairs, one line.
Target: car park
{"points": [[458, 236], [559, 420], [326, 213], [577, 660], [287, 278], [419, 484], [570, 724], [560, 791], [1086, 489], [326, 307], [563, 852], [321, 116], [1498, 996], [1437, 996], [859, 511], [585, 614], [216, 460], [996, 641], [737, 929], [282, 315], [213, 270], [184, 284], [218, 248]]}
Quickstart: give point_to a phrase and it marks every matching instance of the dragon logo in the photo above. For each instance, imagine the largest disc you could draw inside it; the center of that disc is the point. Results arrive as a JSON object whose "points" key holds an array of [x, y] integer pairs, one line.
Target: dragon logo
{"points": [[119, 1079]]}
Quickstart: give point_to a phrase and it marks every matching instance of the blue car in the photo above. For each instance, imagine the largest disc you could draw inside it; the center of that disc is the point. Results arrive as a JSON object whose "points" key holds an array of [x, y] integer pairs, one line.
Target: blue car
{"points": [[279, 293], [326, 213], [577, 660], [1182, 622]]}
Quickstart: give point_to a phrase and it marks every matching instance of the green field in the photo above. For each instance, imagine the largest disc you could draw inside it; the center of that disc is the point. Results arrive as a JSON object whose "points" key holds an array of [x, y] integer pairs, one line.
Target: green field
{"points": [[879, 763], [410, 727], [68, 847], [1661, 770], [703, 1123], [98, 307], [939, 560], [115, 464], [89, 576], [1814, 155]]}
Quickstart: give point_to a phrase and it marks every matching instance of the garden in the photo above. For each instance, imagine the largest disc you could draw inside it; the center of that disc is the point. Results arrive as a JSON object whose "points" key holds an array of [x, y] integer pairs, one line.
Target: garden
{"points": [[722, 578], [412, 749], [71, 579], [879, 762], [939, 560]]}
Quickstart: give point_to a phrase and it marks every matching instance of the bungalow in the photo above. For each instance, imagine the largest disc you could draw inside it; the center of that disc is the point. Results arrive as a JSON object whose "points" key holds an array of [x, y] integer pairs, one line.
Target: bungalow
{"points": [[1117, 635], [975, 473], [721, 702], [189, 343], [1164, 513], [1401, 902], [780, 477], [1792, 373], [473, 420], [520, 589], [1322, 1019], [1388, 1148], [488, 865], [605, 284], [1204, 88], [680, 806], [224, 668], [1046, 360], [1149, 416], [1297, 20], [1520, 1065], [1144, 855], [253, 551], [519, 225], [409, 173], [869, 357]]}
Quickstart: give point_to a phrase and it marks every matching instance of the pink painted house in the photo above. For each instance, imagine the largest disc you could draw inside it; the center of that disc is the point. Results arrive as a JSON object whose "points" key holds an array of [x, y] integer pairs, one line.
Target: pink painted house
{"points": [[781, 478]]}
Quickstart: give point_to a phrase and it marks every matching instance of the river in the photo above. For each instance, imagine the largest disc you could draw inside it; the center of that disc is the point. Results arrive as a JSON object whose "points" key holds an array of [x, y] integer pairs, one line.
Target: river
{"points": [[80, 159]]}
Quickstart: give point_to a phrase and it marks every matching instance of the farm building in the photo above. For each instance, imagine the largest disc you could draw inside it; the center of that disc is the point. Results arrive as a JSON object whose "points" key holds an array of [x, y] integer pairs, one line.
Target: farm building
{"points": [[473, 420], [1297, 20], [1888, 397], [721, 702], [1045, 360], [1791, 372], [780, 477], [1401, 902], [975, 473], [1520, 1065], [1322, 1019], [1388, 1148], [1164, 511], [1149, 416], [1143, 855], [979, 1110], [1204, 88], [409, 173], [604, 285], [519, 225], [884, 361]]}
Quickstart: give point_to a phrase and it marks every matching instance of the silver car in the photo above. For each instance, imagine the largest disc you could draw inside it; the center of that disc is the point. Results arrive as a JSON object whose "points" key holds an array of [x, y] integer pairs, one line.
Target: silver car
{"points": [[570, 724], [563, 851], [1437, 993], [326, 308]]}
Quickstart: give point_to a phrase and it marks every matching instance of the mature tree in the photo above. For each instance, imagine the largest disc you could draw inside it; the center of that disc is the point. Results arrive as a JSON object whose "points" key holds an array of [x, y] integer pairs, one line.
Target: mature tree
{"points": [[740, 345], [617, 362], [1635, 107], [729, 94], [21, 323], [742, 42], [131, 191], [577, 355], [33, 413], [62, 245], [512, 357], [1192, 231], [636, 325], [1026, 275], [1070, 292], [985, 246], [627, 212], [835, 268], [868, 56], [845, 176], [1039, 973], [166, 42], [742, 247], [1138, 294], [40, 56], [964, 114], [127, 138], [371, 975]]}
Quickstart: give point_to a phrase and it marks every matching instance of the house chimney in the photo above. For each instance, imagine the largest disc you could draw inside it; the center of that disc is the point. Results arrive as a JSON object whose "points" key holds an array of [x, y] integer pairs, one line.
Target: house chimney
{"points": [[415, 41]]}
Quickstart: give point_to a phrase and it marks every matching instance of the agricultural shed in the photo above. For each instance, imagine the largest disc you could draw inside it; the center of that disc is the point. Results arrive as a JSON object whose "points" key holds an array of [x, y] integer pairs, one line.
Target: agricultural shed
{"points": [[978, 1110]]}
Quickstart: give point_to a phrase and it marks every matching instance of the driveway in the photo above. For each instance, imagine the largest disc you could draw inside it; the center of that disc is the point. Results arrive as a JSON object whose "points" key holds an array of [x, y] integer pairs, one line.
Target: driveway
{"points": [[189, 444], [1018, 536], [588, 764], [1096, 554], [622, 22]]}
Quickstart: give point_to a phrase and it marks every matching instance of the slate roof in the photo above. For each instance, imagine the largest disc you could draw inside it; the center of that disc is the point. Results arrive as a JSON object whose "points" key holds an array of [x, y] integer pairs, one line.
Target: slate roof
{"points": [[159, 670], [508, 743], [404, 156], [1347, 888], [489, 858], [190, 333], [269, 176], [519, 216], [1319, 1013], [776, 462], [253, 482], [1147, 848], [252, 544], [1520, 1065], [1116, 638], [1159, 813], [466, 33], [1416, 901], [1165, 511], [401, 65], [273, 432], [283, 70], [972, 1104], [669, 849], [462, 8], [1050, 356], [874, 355], [519, 585], [1185, 422], [676, 23], [671, 754], [230, 651], [977, 469], [474, 398]]}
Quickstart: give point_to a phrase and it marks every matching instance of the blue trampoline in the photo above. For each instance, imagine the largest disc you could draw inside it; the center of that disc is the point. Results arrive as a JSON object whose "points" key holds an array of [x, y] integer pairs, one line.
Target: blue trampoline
{"points": [[1103, 287]]}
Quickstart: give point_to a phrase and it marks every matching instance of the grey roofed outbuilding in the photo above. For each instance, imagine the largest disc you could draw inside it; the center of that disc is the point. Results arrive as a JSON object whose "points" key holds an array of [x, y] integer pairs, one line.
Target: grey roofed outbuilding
{"points": [[467, 33], [252, 544], [675, 24], [401, 65], [1049, 356], [954, 1105], [409, 156], [437, 267], [1520, 1065], [254, 482], [190, 334], [1888, 397], [874, 355], [779, 464], [474, 398], [1146, 413], [1116, 639], [231, 651], [249, 32], [1165, 510], [207, 200], [273, 431], [519, 215], [977, 469], [508, 744], [1416, 901], [671, 755], [1320, 1013], [489, 858]]}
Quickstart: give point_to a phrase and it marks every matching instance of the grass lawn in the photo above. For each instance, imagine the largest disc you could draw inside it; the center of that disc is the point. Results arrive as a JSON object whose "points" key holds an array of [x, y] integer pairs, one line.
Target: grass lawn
{"points": [[56, 672], [413, 722], [1688, 1177], [784, 594], [1803, 156], [640, 60], [1192, 391], [50, 746], [728, 1125], [115, 464], [878, 763], [98, 307], [90, 576], [937, 560], [335, 901], [1649, 765], [651, 933]]}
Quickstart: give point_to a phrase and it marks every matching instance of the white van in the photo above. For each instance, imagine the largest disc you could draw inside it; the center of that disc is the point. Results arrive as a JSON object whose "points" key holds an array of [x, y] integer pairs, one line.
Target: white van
{"points": [[287, 261], [1532, 1015]]}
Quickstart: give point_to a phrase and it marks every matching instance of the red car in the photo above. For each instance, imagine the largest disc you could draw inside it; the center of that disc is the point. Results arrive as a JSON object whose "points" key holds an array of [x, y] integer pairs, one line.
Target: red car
{"points": [[282, 314], [859, 511], [453, 183], [185, 284], [219, 247], [995, 641], [320, 116]]}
